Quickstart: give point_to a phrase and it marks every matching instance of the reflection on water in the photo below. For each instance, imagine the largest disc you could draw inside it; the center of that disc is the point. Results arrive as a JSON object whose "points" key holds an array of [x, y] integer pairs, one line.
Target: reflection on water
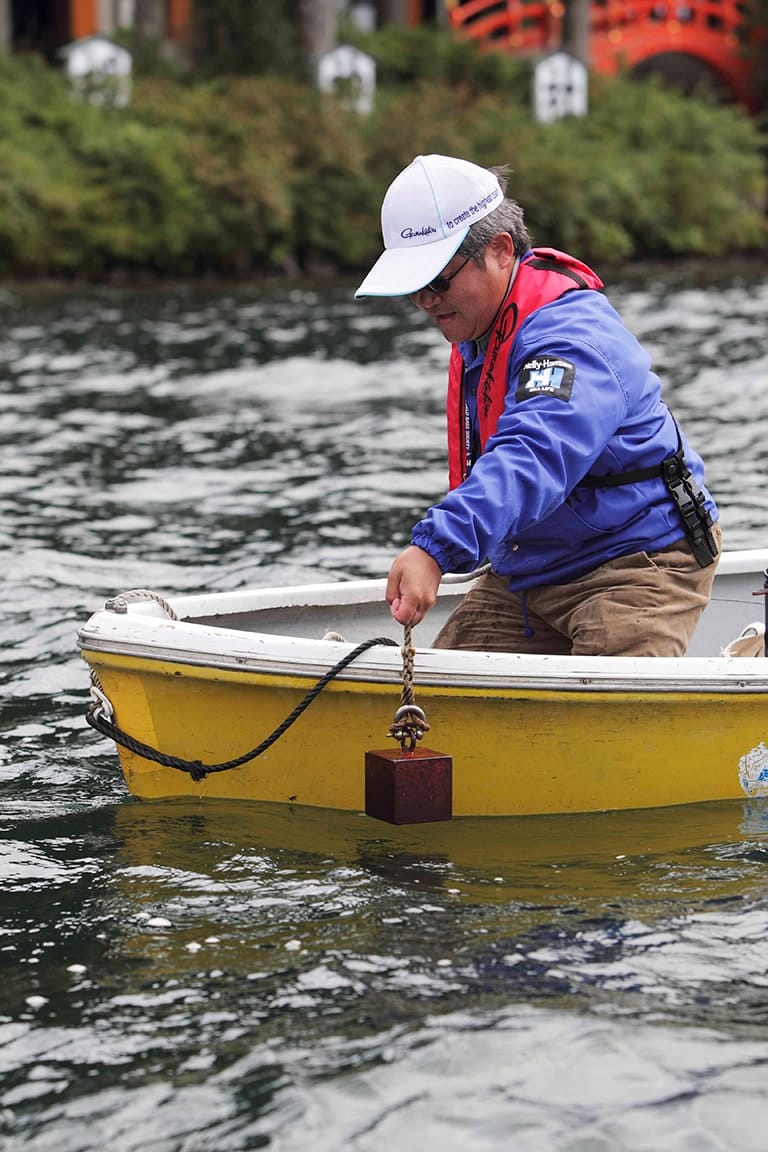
{"points": [[180, 977]]}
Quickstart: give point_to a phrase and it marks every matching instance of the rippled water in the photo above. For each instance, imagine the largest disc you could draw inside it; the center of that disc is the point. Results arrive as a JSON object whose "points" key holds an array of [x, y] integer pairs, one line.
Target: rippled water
{"points": [[181, 978]]}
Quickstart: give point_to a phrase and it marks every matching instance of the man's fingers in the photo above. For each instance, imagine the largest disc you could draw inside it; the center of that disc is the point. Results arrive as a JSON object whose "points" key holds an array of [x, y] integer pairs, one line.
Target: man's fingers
{"points": [[404, 613], [412, 585]]}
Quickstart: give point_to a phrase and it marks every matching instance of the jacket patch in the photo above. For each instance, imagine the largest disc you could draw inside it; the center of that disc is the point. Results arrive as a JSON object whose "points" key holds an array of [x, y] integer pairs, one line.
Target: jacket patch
{"points": [[545, 376]]}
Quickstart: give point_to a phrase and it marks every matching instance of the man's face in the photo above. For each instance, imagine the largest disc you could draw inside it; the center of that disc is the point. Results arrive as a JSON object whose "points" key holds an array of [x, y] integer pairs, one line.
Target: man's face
{"points": [[468, 303]]}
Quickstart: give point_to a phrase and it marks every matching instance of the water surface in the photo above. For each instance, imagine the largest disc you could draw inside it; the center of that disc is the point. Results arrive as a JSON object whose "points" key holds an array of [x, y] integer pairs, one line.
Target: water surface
{"points": [[181, 977]]}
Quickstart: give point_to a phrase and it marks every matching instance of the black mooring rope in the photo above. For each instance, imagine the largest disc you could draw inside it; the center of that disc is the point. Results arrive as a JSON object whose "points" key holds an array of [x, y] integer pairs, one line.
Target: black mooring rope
{"points": [[196, 769]]}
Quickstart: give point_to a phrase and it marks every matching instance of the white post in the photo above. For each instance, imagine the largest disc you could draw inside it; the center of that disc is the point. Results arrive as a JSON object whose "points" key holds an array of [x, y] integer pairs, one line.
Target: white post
{"points": [[560, 84]]}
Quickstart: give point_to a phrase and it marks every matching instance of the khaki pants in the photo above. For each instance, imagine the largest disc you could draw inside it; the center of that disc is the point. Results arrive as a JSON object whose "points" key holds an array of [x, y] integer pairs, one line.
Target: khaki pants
{"points": [[645, 604]]}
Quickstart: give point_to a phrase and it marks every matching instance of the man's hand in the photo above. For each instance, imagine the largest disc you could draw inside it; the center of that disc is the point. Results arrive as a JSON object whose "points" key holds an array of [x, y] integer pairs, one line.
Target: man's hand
{"points": [[412, 585]]}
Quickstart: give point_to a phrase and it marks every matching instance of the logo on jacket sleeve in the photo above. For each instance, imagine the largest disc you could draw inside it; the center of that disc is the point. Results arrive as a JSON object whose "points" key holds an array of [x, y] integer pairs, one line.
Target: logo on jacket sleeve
{"points": [[545, 376]]}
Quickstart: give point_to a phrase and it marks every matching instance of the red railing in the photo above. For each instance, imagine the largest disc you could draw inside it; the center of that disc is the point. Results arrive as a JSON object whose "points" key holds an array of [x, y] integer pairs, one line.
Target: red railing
{"points": [[622, 32]]}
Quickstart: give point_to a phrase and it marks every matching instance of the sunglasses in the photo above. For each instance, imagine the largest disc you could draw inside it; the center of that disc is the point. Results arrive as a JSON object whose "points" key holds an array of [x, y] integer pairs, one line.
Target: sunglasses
{"points": [[442, 283]]}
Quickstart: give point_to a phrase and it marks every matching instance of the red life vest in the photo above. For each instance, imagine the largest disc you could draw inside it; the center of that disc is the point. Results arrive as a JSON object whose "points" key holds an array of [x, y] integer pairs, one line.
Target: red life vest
{"points": [[539, 281]]}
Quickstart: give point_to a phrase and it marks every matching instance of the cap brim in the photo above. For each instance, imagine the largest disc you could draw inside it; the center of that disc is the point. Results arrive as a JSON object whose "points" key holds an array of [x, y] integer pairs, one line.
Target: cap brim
{"points": [[400, 271]]}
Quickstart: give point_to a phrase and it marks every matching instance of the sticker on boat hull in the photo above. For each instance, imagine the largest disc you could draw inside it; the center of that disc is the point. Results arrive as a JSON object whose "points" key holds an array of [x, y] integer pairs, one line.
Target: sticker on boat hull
{"points": [[753, 771]]}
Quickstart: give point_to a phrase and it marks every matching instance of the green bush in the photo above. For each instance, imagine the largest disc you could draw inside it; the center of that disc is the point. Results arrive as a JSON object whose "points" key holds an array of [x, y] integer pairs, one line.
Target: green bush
{"points": [[247, 175], [408, 56]]}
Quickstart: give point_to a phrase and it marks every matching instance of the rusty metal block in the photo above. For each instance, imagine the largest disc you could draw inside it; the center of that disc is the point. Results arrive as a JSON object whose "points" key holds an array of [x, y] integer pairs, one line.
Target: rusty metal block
{"points": [[404, 787]]}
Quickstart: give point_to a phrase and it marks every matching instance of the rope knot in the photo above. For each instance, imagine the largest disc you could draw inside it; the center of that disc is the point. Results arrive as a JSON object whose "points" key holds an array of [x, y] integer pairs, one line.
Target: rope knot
{"points": [[410, 723]]}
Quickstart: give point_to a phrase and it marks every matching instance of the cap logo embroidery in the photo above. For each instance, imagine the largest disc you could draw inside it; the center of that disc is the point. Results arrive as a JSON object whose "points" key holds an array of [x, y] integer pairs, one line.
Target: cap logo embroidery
{"points": [[410, 233]]}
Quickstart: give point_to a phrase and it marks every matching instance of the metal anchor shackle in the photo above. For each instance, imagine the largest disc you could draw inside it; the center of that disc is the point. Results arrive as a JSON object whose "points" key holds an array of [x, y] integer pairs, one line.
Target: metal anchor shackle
{"points": [[408, 726]]}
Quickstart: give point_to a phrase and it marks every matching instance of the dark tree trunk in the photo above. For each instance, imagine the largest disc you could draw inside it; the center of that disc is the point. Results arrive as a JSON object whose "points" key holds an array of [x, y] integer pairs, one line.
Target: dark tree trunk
{"points": [[150, 18], [319, 21], [393, 11], [576, 30]]}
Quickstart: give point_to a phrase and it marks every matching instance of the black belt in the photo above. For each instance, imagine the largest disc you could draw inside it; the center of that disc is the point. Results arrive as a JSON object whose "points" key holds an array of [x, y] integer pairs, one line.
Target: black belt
{"points": [[686, 495]]}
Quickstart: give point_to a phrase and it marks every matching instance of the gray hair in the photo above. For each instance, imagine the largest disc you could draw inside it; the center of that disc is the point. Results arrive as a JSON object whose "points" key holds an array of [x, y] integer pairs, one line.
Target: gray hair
{"points": [[508, 217]]}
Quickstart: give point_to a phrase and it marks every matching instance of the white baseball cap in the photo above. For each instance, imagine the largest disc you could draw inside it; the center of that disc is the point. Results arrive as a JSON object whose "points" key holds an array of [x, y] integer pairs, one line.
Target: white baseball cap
{"points": [[425, 216]]}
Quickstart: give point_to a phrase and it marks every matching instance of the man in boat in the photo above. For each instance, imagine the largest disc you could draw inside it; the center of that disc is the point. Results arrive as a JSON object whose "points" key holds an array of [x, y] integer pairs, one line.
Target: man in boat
{"points": [[567, 470]]}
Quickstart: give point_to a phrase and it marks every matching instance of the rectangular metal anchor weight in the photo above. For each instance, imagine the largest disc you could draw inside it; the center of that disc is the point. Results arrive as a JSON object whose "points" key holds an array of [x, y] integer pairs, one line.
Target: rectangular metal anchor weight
{"points": [[408, 787]]}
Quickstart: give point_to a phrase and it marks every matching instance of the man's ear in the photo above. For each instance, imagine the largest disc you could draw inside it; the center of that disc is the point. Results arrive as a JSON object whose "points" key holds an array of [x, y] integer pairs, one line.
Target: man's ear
{"points": [[502, 246]]}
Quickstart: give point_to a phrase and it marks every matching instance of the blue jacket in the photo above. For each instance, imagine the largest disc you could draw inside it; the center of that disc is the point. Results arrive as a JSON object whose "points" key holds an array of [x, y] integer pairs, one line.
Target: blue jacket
{"points": [[581, 399]]}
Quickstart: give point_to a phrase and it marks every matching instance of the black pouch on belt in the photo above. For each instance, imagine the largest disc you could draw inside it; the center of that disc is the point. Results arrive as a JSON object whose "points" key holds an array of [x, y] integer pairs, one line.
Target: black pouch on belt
{"points": [[690, 503]]}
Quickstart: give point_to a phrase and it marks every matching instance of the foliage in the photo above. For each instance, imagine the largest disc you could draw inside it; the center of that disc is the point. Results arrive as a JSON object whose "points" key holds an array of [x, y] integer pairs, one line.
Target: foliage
{"points": [[649, 172], [257, 175], [150, 56], [407, 56]]}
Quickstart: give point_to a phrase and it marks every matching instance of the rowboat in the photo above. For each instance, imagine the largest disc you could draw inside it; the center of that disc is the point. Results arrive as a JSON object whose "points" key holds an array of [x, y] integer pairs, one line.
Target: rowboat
{"points": [[301, 695]]}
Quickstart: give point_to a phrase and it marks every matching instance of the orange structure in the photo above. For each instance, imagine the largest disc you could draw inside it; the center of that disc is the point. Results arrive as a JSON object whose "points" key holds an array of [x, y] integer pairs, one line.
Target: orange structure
{"points": [[179, 16], [82, 18], [623, 33], [79, 18]]}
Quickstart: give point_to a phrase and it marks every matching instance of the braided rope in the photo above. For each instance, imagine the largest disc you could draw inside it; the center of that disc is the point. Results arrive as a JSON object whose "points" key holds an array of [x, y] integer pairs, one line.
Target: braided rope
{"points": [[118, 603], [409, 654], [410, 723]]}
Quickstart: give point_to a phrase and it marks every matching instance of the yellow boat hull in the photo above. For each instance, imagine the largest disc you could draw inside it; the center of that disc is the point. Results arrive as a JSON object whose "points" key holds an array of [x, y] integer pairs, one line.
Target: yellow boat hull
{"points": [[514, 751], [209, 678]]}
